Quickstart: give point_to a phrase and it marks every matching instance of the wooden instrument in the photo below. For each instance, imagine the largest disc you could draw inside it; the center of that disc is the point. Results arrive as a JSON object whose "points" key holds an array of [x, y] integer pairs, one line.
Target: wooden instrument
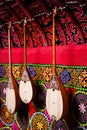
{"points": [[56, 97], [13, 101], [25, 85]]}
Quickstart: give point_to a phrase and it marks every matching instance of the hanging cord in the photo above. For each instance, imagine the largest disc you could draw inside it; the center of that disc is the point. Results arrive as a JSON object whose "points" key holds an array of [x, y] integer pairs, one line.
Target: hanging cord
{"points": [[46, 13]]}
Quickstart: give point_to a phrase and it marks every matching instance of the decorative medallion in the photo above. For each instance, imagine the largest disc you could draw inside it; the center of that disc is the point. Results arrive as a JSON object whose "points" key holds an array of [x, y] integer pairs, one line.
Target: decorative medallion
{"points": [[6, 117], [39, 121], [65, 76], [79, 107], [31, 71]]}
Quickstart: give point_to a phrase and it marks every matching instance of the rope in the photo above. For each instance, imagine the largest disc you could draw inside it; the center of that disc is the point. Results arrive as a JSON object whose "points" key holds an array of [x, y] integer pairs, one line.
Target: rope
{"points": [[45, 13]]}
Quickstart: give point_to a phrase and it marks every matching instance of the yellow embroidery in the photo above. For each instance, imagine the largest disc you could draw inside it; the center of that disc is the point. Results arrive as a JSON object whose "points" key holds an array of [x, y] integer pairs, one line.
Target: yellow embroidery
{"points": [[39, 125], [6, 114]]}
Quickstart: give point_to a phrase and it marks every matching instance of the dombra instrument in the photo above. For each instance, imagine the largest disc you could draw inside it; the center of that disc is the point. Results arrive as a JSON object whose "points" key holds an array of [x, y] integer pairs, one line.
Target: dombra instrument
{"points": [[13, 101], [25, 86], [56, 97]]}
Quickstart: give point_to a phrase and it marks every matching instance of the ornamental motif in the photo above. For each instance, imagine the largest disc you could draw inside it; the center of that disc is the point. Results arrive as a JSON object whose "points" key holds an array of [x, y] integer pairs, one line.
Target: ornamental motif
{"points": [[32, 71], [6, 117], [65, 76], [16, 71], [72, 76], [2, 71], [39, 121], [79, 107], [83, 78], [3, 86], [39, 71], [47, 73]]}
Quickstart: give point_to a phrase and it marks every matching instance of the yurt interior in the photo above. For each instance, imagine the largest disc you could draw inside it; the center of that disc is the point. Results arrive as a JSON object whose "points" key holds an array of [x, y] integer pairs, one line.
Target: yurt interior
{"points": [[43, 64]]}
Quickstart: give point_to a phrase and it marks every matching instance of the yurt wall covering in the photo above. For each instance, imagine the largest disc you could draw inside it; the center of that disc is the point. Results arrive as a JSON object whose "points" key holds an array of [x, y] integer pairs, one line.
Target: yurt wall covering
{"points": [[71, 60]]}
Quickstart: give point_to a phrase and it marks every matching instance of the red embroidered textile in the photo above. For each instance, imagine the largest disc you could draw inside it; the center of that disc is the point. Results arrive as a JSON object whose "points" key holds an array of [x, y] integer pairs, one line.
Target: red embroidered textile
{"points": [[65, 55]]}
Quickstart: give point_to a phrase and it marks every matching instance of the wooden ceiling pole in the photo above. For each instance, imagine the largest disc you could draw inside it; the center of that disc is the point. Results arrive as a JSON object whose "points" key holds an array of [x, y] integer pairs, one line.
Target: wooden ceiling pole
{"points": [[34, 23]]}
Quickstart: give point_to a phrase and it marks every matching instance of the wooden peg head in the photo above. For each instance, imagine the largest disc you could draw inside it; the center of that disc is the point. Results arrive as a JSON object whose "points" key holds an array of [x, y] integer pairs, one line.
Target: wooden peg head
{"points": [[9, 25], [25, 21], [55, 11]]}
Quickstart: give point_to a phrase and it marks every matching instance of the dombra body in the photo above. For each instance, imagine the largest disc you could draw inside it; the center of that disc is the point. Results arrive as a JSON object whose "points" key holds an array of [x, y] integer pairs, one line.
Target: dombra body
{"points": [[25, 88], [56, 99], [13, 101]]}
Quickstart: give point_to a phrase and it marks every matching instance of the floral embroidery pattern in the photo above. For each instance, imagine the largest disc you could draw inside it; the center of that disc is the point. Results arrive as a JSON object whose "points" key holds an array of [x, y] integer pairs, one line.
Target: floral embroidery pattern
{"points": [[83, 78], [79, 107], [42, 74], [65, 76], [47, 73], [39, 121], [2, 71], [6, 117], [69, 75], [3, 86], [82, 108], [16, 71], [31, 71]]}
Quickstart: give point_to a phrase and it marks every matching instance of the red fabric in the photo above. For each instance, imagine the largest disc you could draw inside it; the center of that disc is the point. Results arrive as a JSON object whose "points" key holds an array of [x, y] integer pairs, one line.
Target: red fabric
{"points": [[65, 55]]}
